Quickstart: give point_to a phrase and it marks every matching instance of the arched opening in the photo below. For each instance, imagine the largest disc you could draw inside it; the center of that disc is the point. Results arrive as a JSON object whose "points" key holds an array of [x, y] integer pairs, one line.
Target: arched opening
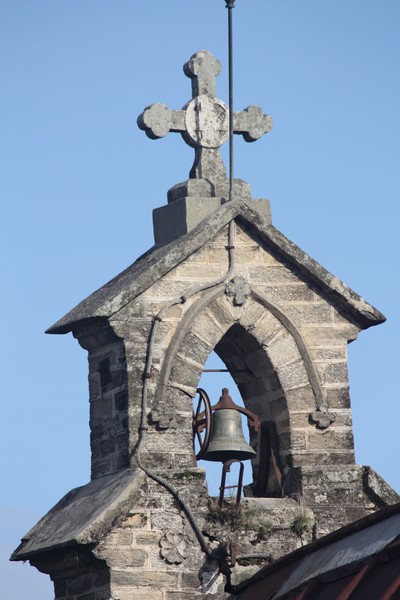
{"points": [[268, 360], [259, 386], [213, 379], [254, 384]]}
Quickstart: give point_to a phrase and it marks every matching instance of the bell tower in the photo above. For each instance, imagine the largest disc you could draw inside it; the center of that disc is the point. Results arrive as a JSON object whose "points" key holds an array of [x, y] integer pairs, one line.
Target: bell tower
{"points": [[221, 278]]}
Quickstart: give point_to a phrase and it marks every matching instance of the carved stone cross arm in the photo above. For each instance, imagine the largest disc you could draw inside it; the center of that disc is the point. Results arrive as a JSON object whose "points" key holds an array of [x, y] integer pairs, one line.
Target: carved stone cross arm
{"points": [[157, 120], [252, 123]]}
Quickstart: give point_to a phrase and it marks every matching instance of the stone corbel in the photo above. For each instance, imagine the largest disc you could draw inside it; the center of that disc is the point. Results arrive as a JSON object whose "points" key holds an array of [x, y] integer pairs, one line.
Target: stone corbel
{"points": [[322, 418], [238, 289]]}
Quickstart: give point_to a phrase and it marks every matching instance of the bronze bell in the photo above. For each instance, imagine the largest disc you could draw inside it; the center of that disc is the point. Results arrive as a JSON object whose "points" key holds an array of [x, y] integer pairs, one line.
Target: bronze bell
{"points": [[227, 441]]}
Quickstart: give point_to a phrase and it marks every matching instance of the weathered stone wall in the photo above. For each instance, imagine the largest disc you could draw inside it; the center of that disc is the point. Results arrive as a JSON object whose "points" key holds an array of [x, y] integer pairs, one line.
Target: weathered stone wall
{"points": [[92, 584], [341, 494], [153, 550], [108, 393], [76, 573], [291, 340], [153, 553]]}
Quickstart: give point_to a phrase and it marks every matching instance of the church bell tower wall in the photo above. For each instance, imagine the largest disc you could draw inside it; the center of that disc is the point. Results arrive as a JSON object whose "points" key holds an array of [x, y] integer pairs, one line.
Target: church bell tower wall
{"points": [[283, 342]]}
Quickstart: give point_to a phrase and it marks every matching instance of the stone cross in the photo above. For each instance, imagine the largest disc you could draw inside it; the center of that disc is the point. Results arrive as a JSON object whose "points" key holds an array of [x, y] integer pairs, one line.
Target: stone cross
{"points": [[204, 121]]}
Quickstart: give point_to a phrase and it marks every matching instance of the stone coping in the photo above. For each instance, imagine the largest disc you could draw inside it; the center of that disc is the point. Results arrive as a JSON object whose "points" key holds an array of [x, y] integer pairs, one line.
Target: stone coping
{"points": [[158, 261]]}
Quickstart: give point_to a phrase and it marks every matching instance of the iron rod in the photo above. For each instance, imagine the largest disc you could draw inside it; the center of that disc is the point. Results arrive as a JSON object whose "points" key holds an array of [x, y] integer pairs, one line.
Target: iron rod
{"points": [[224, 371], [222, 488], [230, 5]]}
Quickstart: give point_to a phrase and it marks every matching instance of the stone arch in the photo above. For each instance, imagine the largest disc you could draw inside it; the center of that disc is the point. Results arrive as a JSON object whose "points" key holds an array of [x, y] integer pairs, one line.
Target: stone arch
{"points": [[265, 355]]}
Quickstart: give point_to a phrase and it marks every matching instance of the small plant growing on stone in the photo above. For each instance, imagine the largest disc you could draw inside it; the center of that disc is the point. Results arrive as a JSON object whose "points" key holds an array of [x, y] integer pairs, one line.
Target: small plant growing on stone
{"points": [[300, 524], [188, 474], [233, 515]]}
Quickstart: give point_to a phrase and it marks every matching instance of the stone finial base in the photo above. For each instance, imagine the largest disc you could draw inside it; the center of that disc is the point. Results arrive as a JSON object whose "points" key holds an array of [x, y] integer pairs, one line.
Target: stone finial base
{"points": [[192, 201], [174, 220]]}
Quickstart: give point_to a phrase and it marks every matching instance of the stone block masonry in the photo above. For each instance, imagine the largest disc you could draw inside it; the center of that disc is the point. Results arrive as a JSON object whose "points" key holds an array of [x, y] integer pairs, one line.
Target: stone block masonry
{"points": [[110, 412], [285, 345], [249, 337], [153, 552]]}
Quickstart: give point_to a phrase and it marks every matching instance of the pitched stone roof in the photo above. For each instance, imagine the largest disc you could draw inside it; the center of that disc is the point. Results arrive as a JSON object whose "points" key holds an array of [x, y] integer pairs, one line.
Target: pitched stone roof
{"points": [[83, 515], [155, 263]]}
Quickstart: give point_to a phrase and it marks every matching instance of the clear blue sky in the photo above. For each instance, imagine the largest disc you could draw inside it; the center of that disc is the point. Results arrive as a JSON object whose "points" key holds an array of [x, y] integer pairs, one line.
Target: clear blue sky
{"points": [[79, 181]]}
